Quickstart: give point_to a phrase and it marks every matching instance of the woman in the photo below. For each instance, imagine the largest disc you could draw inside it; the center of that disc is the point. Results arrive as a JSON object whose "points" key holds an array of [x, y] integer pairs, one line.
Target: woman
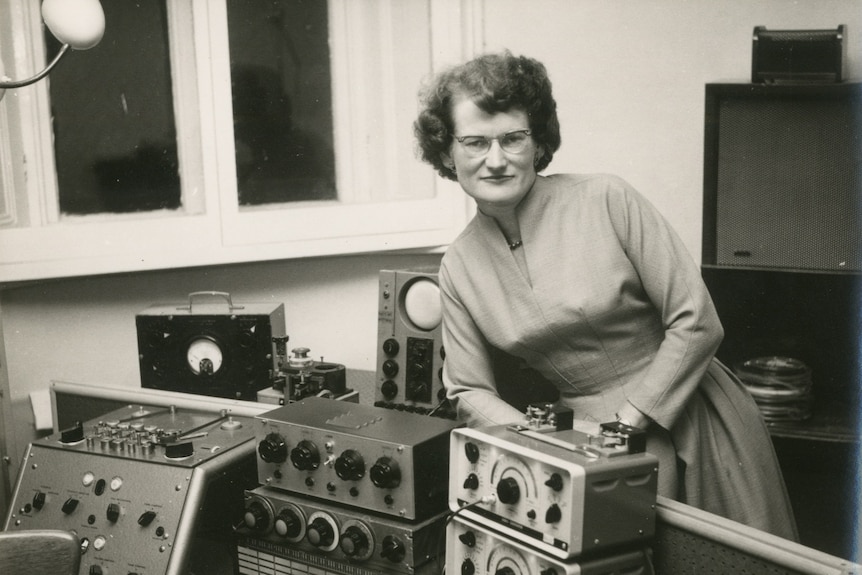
{"points": [[582, 279]]}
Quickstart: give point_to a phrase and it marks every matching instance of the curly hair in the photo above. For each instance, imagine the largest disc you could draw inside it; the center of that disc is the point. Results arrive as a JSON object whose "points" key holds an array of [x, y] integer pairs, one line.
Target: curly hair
{"points": [[495, 83]]}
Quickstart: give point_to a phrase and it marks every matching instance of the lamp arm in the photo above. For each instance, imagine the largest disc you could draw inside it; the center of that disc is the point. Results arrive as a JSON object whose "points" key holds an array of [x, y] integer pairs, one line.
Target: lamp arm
{"points": [[19, 83]]}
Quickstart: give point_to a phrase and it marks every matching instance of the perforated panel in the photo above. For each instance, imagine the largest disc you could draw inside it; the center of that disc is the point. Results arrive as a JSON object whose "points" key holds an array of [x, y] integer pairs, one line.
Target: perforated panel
{"points": [[788, 183], [680, 552]]}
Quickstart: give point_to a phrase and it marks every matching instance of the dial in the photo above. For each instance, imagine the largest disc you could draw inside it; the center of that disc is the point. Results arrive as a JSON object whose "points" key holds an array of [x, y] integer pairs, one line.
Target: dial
{"points": [[204, 356], [357, 541], [290, 524], [305, 456], [350, 466], [386, 473]]}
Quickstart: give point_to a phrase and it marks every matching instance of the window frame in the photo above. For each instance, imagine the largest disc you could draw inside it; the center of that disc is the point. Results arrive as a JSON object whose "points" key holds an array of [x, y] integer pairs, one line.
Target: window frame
{"points": [[211, 228]]}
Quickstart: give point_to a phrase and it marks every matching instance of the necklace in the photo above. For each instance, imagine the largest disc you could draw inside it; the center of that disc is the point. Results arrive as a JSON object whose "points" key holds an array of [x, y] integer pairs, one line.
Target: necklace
{"points": [[515, 245]]}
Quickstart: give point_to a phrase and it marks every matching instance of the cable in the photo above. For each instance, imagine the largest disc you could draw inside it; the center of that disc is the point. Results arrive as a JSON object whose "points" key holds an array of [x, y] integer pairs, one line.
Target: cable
{"points": [[487, 499]]}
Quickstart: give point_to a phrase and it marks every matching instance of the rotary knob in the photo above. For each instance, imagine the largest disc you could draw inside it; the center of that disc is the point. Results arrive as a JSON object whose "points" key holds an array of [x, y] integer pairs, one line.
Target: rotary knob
{"points": [[350, 466], [472, 482], [392, 549], [354, 542], [389, 389], [391, 346], [256, 516], [471, 451], [390, 368], [320, 533], [508, 491], [305, 456], [555, 482], [273, 449], [468, 568], [288, 524], [504, 571], [385, 473]]}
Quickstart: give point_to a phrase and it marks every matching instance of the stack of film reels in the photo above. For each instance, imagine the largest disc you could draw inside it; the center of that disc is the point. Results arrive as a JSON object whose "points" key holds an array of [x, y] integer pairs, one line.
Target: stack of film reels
{"points": [[346, 489], [545, 499]]}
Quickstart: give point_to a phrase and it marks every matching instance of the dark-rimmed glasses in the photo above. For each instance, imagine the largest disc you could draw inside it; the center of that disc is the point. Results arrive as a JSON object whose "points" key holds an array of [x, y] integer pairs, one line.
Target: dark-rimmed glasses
{"points": [[513, 142]]}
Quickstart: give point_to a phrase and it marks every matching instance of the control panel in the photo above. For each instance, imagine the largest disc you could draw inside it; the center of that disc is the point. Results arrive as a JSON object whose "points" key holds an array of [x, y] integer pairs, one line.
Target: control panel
{"points": [[146, 489], [473, 550], [566, 492], [378, 459], [281, 529]]}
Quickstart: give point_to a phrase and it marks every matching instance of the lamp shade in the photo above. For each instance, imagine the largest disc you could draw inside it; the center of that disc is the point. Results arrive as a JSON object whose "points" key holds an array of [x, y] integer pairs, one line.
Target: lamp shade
{"points": [[78, 23]]}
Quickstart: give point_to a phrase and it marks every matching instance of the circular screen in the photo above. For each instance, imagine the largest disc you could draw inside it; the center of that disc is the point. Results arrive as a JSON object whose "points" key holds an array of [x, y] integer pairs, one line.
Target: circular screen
{"points": [[422, 304]]}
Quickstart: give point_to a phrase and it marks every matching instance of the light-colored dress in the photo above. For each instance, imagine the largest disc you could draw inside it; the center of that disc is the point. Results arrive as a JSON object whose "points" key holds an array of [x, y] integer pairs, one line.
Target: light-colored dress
{"points": [[610, 308]]}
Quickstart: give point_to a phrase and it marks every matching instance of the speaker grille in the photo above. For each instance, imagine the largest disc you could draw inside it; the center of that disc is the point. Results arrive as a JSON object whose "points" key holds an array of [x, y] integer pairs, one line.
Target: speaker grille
{"points": [[788, 184]]}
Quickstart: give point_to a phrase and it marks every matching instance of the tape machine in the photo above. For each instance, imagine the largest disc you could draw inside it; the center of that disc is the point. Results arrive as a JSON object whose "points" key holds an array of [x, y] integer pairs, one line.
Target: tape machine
{"points": [[209, 349]]}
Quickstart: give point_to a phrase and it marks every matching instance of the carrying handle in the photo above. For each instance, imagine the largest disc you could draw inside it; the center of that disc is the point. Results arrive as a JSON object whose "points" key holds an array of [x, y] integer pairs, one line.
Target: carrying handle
{"points": [[223, 294]]}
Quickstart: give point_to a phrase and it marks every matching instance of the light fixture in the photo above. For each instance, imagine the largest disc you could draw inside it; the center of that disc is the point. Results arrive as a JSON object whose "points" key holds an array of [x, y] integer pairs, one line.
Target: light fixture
{"points": [[77, 24]]}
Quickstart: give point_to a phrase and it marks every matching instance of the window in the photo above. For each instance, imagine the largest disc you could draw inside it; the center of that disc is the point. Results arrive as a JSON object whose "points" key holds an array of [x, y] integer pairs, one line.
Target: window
{"points": [[281, 85], [133, 165], [214, 131]]}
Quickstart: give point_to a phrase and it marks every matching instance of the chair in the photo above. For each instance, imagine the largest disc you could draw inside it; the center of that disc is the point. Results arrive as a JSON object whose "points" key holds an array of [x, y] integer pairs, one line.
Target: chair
{"points": [[39, 552]]}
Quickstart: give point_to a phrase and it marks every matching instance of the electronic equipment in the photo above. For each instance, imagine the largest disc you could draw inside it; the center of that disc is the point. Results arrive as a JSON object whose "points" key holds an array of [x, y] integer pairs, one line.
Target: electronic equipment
{"points": [[206, 349], [147, 489], [286, 533], [409, 343], [563, 491], [472, 548], [377, 459], [298, 376], [797, 55], [782, 180]]}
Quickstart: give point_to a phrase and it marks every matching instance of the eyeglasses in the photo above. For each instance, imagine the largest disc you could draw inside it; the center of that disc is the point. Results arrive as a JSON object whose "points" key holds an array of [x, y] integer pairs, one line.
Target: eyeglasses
{"points": [[513, 142]]}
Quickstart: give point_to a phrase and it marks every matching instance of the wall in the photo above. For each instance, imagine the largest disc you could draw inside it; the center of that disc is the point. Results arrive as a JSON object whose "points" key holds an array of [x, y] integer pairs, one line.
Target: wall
{"points": [[629, 79]]}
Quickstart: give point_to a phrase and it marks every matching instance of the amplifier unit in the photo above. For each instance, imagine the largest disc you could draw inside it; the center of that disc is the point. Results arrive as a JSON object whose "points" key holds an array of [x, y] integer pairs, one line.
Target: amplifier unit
{"points": [[409, 343], [373, 458], [472, 548], [217, 350], [147, 489], [286, 533], [564, 492]]}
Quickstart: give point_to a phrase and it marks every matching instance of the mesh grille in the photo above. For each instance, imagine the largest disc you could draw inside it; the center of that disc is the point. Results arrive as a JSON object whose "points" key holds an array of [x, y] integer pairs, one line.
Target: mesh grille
{"points": [[679, 552], [788, 189]]}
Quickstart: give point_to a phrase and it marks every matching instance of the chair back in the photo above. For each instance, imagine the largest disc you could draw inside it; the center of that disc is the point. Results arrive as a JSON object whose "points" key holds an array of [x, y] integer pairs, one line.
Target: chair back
{"points": [[39, 552]]}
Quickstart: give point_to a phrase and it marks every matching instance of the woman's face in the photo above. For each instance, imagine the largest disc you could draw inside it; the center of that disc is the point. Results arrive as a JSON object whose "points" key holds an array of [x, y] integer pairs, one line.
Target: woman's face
{"points": [[498, 180]]}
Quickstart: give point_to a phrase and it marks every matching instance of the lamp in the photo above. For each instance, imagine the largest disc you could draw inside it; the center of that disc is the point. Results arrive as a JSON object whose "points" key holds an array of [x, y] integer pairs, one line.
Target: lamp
{"points": [[77, 24]]}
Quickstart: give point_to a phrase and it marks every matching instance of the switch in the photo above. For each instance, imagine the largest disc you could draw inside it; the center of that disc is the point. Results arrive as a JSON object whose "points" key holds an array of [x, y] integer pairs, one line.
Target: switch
{"points": [[553, 514], [70, 505], [146, 518], [39, 500], [113, 512]]}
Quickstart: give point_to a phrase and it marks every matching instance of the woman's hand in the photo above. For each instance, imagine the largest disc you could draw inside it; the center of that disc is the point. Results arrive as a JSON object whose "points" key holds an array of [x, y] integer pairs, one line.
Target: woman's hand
{"points": [[630, 415]]}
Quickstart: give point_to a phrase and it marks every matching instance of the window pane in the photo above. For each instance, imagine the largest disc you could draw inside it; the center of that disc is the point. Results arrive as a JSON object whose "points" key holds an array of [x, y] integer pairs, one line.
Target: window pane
{"points": [[282, 103], [115, 136]]}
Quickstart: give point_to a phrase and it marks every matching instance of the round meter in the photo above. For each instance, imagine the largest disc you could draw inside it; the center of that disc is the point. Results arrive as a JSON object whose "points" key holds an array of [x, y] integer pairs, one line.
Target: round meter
{"points": [[204, 356]]}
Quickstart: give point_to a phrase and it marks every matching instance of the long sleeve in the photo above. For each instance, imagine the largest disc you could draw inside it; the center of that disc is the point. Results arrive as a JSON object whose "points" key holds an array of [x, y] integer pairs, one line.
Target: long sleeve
{"points": [[672, 282], [468, 373]]}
